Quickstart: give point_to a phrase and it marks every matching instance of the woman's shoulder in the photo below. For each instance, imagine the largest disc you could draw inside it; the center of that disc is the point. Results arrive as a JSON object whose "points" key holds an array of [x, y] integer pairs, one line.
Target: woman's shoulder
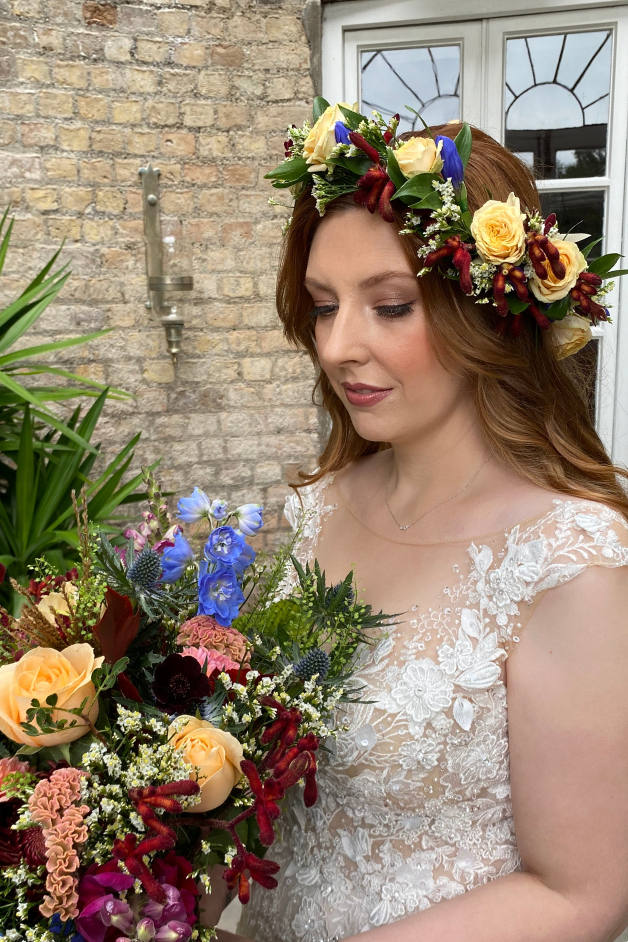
{"points": [[307, 500]]}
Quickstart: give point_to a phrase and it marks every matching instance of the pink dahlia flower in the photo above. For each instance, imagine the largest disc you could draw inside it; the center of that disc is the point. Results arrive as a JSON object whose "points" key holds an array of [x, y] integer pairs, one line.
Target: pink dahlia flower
{"points": [[213, 659]]}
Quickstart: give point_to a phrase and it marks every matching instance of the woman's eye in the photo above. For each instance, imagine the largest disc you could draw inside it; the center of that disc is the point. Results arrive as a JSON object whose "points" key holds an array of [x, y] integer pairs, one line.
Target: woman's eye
{"points": [[322, 309], [394, 310]]}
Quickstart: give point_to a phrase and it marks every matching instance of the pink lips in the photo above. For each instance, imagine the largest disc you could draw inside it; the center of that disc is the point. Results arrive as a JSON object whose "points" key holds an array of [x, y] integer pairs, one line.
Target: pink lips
{"points": [[359, 394]]}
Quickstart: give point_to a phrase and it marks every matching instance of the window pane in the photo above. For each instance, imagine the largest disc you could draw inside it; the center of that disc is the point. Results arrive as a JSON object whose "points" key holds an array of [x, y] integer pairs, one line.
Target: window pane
{"points": [[577, 212], [427, 78], [556, 100]]}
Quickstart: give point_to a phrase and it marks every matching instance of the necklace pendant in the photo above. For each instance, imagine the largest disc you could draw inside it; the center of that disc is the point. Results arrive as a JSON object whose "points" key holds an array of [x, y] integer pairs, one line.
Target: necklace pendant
{"points": [[406, 528]]}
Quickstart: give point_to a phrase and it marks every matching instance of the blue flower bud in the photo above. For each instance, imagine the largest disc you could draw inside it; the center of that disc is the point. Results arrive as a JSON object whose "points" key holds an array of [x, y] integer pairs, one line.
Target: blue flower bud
{"points": [[452, 164], [342, 133]]}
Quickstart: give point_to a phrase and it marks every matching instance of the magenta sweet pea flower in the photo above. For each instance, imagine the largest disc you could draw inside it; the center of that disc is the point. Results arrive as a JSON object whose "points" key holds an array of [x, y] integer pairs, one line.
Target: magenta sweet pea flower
{"points": [[102, 913], [174, 931]]}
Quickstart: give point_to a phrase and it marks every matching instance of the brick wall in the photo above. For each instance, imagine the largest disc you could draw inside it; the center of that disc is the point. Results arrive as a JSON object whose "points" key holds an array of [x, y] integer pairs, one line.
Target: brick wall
{"points": [[90, 92]]}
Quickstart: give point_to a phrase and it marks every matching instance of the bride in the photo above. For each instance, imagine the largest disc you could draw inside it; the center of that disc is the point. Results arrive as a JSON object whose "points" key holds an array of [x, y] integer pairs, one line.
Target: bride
{"points": [[465, 485]]}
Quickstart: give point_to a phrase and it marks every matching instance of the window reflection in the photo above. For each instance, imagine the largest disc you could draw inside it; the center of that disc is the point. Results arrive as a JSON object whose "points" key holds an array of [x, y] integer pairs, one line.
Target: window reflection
{"points": [[427, 78], [556, 102], [577, 211]]}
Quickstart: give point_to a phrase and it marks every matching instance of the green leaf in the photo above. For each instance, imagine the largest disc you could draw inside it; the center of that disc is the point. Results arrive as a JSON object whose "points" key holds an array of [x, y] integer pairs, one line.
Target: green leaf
{"points": [[50, 347], [515, 305], [558, 309], [320, 105], [7, 238], [394, 171], [357, 165], [615, 273], [25, 478], [604, 264], [289, 170], [352, 119], [417, 187], [431, 201], [464, 142], [28, 750], [586, 251]]}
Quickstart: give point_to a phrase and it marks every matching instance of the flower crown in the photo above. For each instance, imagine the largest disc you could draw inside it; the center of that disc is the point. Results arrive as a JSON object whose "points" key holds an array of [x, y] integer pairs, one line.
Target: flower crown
{"points": [[515, 261]]}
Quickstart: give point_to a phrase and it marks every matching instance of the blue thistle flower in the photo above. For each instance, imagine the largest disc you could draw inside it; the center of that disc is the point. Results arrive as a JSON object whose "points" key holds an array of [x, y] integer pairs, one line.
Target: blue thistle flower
{"points": [[314, 662], [145, 569]]}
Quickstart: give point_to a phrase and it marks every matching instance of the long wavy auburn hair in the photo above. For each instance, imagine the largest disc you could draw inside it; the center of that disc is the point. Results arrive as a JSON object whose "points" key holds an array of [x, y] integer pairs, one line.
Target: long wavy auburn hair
{"points": [[531, 406]]}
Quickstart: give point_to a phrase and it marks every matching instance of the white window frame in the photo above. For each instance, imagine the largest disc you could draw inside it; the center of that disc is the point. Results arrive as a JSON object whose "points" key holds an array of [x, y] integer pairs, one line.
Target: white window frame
{"points": [[353, 25]]}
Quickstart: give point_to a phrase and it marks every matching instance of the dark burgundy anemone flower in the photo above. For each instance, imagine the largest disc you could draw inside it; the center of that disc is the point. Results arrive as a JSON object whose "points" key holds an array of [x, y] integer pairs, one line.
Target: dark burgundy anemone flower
{"points": [[179, 681], [34, 846], [10, 841]]}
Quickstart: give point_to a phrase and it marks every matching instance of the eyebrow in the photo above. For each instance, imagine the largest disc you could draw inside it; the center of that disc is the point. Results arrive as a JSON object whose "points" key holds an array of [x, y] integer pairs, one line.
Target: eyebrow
{"points": [[368, 282]]}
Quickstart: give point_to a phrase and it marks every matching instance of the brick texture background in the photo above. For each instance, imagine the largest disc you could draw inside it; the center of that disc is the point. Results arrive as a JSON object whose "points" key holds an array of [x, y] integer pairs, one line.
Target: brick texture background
{"points": [[89, 93]]}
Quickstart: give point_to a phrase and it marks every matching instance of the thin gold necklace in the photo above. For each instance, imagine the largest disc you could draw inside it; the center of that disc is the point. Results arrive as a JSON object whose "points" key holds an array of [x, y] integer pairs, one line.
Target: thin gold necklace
{"points": [[435, 507]]}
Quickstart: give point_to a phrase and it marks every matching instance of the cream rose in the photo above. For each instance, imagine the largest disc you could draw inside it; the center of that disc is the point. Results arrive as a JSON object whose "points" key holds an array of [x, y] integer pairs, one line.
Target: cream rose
{"points": [[322, 138], [37, 675], [56, 603], [498, 231], [419, 155], [216, 754], [570, 335], [550, 288]]}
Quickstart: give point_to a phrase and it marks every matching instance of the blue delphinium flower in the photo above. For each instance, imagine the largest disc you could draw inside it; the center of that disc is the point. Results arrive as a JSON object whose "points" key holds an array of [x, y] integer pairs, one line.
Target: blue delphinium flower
{"points": [[194, 508], [224, 545], [452, 164], [220, 595], [249, 518], [65, 929], [175, 558], [342, 133], [244, 560], [218, 509]]}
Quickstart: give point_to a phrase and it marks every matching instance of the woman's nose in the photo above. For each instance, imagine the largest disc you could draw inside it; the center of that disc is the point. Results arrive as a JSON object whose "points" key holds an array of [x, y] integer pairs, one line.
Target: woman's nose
{"points": [[345, 339]]}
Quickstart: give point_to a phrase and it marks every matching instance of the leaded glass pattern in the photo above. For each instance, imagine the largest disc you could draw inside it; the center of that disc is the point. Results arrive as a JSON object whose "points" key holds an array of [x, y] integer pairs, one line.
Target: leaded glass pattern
{"points": [[425, 77], [556, 101]]}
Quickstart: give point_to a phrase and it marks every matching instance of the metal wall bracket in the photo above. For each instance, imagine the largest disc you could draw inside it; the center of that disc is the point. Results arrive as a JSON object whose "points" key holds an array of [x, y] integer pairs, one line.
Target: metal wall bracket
{"points": [[160, 284]]}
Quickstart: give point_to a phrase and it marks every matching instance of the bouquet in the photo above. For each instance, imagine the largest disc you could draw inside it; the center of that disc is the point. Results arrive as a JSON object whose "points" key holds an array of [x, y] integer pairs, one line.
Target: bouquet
{"points": [[157, 703]]}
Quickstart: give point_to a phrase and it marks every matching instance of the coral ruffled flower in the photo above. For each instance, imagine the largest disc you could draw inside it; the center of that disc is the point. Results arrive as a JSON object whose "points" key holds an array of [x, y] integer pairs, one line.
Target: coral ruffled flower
{"points": [[54, 806], [216, 754], [37, 675], [203, 631], [551, 288], [497, 228], [419, 155]]}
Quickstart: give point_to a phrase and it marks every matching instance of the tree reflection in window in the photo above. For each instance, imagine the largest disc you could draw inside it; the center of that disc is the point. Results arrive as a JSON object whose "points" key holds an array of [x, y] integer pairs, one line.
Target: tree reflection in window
{"points": [[556, 101], [425, 77]]}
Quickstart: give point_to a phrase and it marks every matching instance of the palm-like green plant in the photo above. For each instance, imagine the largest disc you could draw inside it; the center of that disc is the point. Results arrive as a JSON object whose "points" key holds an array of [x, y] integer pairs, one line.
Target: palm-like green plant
{"points": [[36, 513], [42, 457], [25, 362]]}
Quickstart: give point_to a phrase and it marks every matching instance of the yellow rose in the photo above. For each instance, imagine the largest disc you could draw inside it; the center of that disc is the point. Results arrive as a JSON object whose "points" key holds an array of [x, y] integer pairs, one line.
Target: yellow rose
{"points": [[419, 155], [40, 673], [498, 231], [570, 335], [217, 756], [550, 288], [322, 138]]}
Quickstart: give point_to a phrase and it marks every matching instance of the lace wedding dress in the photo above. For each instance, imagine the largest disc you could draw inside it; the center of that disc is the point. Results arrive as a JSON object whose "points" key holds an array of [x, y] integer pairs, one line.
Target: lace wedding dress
{"points": [[414, 797]]}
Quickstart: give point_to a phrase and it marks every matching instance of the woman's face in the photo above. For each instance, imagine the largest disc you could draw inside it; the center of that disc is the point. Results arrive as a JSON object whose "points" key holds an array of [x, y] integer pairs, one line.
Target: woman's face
{"points": [[371, 331]]}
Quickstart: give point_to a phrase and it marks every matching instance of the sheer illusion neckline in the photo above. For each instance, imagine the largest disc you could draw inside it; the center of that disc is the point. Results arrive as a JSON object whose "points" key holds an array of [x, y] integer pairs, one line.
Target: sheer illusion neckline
{"points": [[501, 531]]}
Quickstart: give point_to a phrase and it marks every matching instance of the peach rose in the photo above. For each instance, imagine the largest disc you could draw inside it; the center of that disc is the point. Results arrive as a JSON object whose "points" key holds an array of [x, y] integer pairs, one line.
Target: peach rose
{"points": [[570, 335], [550, 288], [322, 138], [216, 754], [498, 231], [419, 155], [37, 675]]}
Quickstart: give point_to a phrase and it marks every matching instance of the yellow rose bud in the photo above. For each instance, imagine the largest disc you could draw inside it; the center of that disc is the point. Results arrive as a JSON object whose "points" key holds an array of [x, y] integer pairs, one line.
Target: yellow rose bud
{"points": [[550, 288], [498, 231], [216, 754], [322, 138], [37, 675], [56, 603], [419, 155], [570, 335]]}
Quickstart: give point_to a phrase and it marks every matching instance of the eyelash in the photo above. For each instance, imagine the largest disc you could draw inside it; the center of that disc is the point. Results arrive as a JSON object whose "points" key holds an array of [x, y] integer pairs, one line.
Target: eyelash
{"points": [[386, 310]]}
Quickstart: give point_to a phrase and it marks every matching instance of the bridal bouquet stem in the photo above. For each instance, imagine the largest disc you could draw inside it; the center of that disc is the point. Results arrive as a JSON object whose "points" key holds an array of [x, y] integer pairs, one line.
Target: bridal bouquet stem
{"points": [[156, 705]]}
